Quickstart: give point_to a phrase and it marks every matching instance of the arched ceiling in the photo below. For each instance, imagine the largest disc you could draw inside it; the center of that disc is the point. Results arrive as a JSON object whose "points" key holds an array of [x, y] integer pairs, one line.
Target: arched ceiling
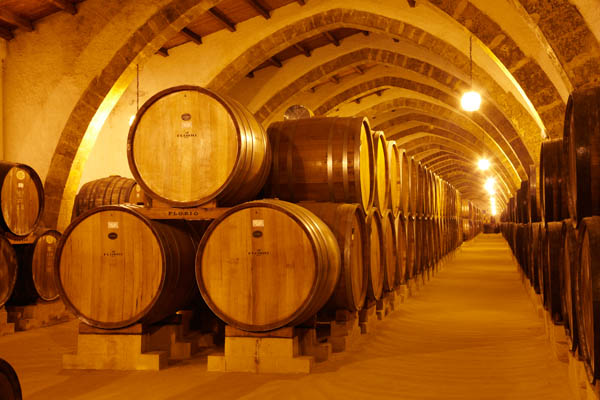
{"points": [[405, 68]]}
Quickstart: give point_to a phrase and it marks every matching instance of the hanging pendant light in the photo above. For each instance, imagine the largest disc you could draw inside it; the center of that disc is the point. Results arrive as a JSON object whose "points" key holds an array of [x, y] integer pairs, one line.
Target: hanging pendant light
{"points": [[471, 100]]}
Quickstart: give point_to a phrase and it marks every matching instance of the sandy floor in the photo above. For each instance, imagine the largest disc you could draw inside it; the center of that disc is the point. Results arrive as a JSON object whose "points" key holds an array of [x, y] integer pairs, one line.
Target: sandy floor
{"points": [[470, 333]]}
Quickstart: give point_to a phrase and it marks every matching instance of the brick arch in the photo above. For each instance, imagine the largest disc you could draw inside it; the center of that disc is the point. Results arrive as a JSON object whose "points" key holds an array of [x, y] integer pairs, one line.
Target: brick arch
{"points": [[532, 78], [98, 99]]}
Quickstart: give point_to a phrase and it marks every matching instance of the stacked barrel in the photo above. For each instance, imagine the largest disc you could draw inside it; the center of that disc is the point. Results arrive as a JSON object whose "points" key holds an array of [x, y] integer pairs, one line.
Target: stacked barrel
{"points": [[346, 216], [472, 220], [556, 235], [27, 250]]}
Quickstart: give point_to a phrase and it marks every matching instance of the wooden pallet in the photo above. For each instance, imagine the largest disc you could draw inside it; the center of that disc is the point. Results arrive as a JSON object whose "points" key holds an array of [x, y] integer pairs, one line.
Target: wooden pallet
{"points": [[6, 328], [38, 315], [137, 347], [278, 351]]}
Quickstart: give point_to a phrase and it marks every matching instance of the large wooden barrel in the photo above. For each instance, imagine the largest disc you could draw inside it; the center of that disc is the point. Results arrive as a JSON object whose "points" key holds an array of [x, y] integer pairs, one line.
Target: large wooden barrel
{"points": [[347, 222], [390, 245], [36, 270], [401, 232], [411, 247], [21, 199], [553, 189], [588, 295], [111, 190], [115, 267], [322, 159], [414, 197], [8, 270], [533, 257], [10, 388], [395, 177], [581, 143], [405, 179], [533, 206], [568, 270], [382, 171], [376, 249], [188, 146], [266, 264]]}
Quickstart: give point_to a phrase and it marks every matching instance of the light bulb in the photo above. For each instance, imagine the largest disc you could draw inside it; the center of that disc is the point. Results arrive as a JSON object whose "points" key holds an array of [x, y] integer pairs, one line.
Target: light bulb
{"points": [[483, 164], [131, 119], [489, 186], [470, 101]]}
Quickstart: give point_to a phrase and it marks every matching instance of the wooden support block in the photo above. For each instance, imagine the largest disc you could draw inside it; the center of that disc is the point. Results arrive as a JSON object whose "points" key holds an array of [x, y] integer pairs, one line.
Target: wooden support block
{"points": [[414, 285], [368, 318], [402, 293], [385, 306], [155, 209], [311, 346], [6, 328], [38, 315], [344, 330], [261, 354]]}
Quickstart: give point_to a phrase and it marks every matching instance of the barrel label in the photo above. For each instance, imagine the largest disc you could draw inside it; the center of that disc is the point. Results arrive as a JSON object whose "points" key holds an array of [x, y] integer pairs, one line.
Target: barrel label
{"points": [[20, 175], [50, 239], [20, 185], [259, 252], [113, 225], [113, 254], [183, 213], [258, 223]]}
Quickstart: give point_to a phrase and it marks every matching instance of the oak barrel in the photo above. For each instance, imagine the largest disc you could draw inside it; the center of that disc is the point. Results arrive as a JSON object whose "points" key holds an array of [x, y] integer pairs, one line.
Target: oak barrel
{"points": [[322, 159], [347, 222], [21, 199], [382, 171], [36, 270], [10, 388], [553, 188], [533, 206], [405, 192], [415, 184], [533, 249], [8, 270], [377, 254], [188, 146], [115, 267], [569, 271], [581, 144], [111, 190], [401, 232], [395, 177], [390, 244], [266, 264], [588, 295]]}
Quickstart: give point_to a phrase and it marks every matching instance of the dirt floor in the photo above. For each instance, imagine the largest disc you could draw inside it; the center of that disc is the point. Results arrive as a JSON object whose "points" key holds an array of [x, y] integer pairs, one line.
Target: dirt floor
{"points": [[469, 333]]}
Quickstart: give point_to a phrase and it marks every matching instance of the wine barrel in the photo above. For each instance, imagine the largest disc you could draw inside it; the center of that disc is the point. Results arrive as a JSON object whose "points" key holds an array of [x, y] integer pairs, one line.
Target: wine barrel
{"points": [[376, 250], [401, 222], [588, 295], [115, 267], [581, 144], [8, 270], [415, 184], [533, 206], [282, 269], [405, 179], [10, 388], [382, 171], [553, 243], [390, 245], [533, 257], [21, 199], [35, 279], [569, 270], [395, 177], [419, 245], [188, 146], [553, 189], [322, 159], [111, 190], [411, 247], [347, 222]]}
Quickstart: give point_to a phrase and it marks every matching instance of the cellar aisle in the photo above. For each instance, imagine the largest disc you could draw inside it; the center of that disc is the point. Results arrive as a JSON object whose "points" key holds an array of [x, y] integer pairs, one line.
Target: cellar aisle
{"points": [[470, 333]]}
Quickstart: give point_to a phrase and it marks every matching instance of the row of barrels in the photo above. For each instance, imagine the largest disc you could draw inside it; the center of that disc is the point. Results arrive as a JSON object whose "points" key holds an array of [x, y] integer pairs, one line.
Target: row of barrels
{"points": [[472, 220], [556, 236]]}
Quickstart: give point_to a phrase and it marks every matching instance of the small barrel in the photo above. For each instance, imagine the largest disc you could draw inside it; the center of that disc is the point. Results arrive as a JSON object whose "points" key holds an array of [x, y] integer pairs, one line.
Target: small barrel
{"points": [[569, 268], [115, 267], [553, 242], [10, 388], [21, 199], [395, 177], [553, 189], [390, 245], [188, 146], [376, 250], [581, 145], [405, 192], [382, 171], [107, 191], [347, 222], [588, 294], [401, 222], [36, 270], [8, 270], [266, 264], [322, 159]]}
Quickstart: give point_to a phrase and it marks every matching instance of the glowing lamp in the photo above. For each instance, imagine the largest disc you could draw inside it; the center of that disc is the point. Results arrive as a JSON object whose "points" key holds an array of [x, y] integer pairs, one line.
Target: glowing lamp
{"points": [[489, 187], [483, 164], [470, 101], [131, 119]]}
